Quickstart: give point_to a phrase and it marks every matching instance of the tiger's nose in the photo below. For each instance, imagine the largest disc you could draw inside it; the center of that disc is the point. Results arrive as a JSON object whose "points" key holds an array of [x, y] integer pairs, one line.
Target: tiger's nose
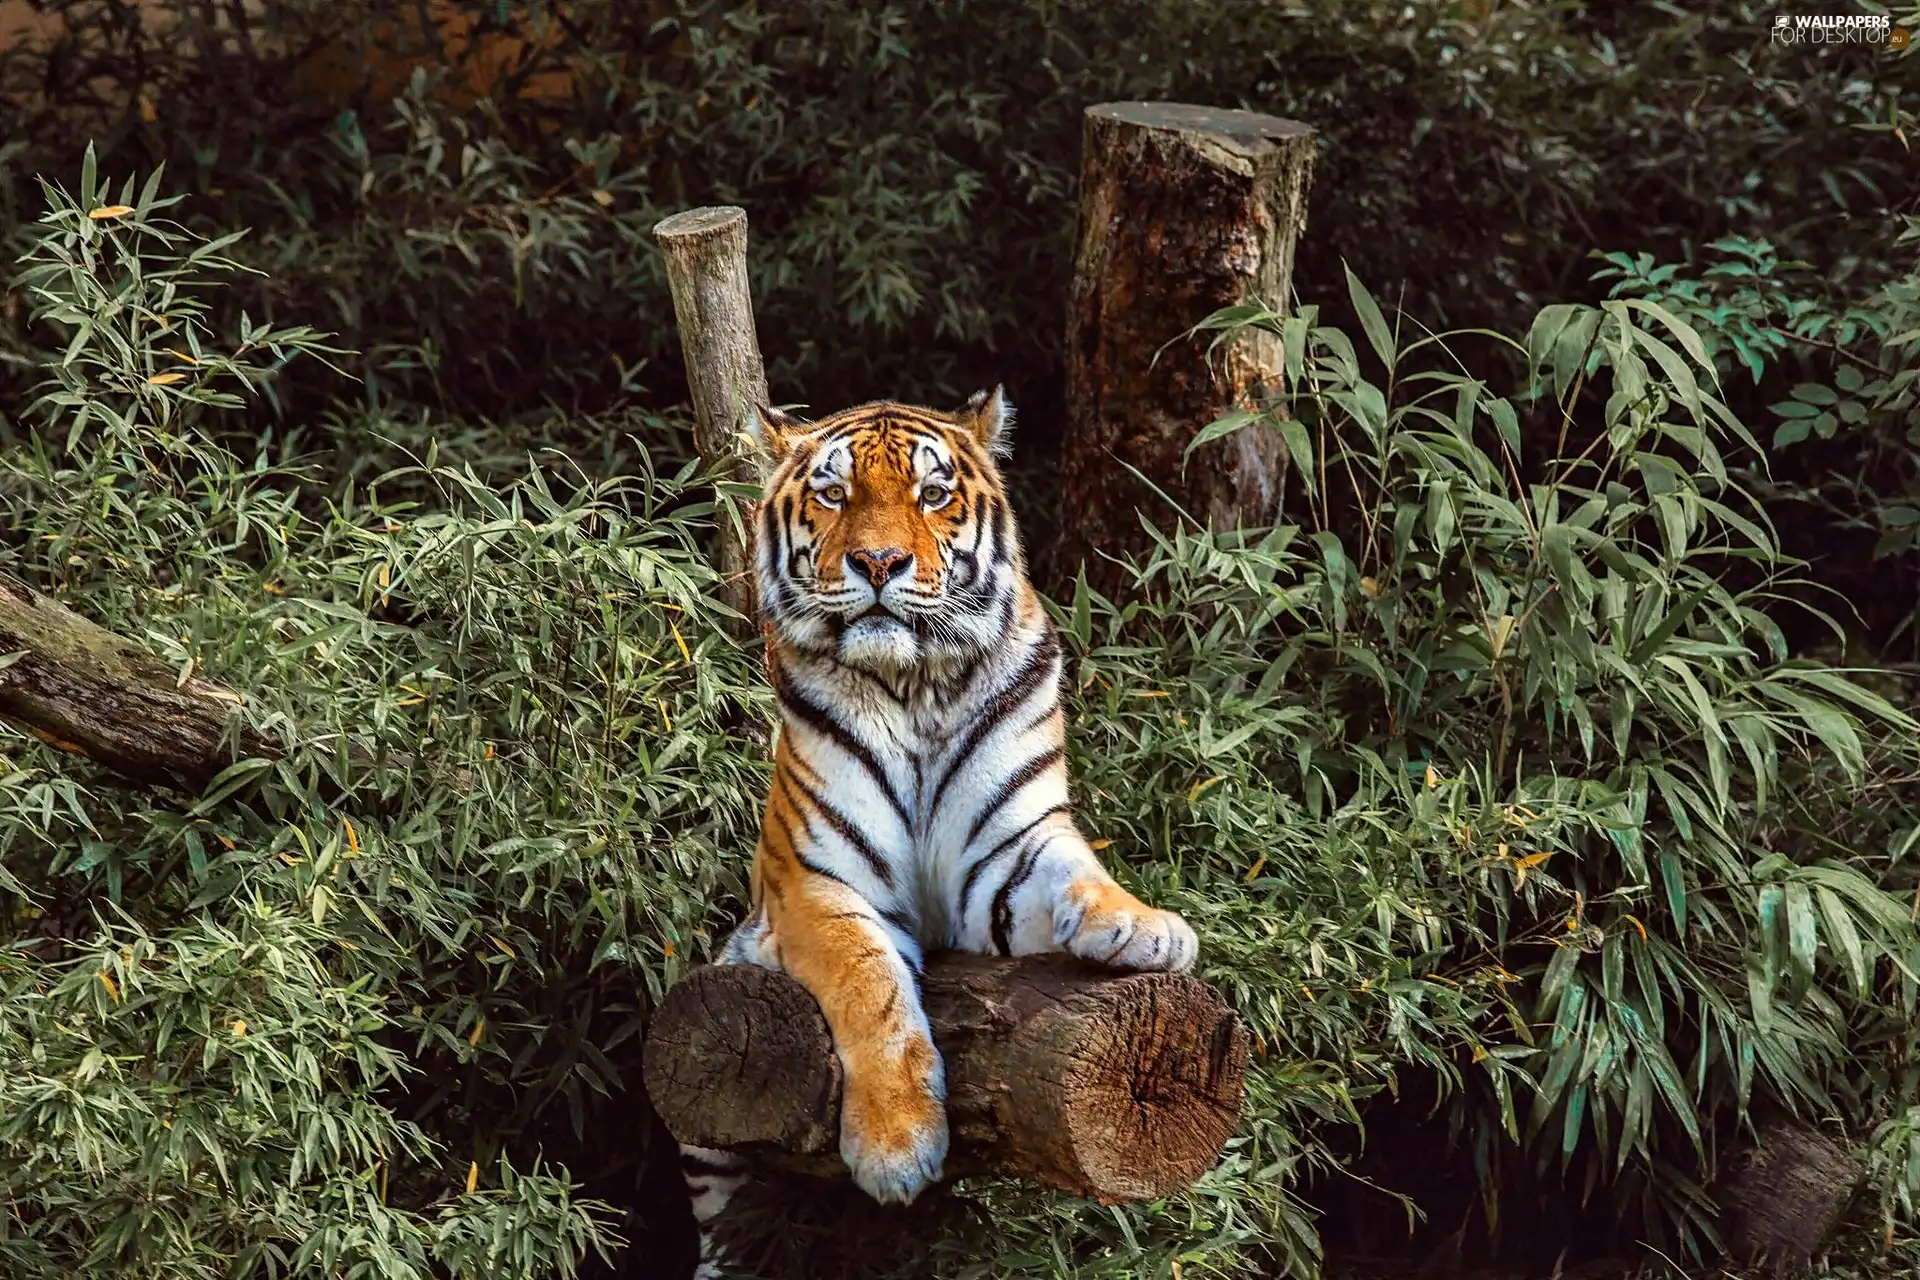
{"points": [[881, 566]]}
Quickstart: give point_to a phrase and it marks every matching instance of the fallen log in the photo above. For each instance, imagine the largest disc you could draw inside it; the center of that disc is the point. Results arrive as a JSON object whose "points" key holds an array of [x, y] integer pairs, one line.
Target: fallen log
{"points": [[89, 692], [1119, 1086], [85, 690], [1184, 210]]}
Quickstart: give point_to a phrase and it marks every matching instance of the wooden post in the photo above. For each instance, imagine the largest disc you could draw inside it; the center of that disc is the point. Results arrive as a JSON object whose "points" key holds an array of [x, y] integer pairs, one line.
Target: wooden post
{"points": [[1113, 1085], [1183, 210], [706, 256]]}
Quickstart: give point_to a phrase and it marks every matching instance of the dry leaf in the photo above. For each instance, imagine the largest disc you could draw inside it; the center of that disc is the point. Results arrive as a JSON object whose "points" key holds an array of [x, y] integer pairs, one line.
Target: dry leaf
{"points": [[1501, 632], [110, 211], [1198, 787]]}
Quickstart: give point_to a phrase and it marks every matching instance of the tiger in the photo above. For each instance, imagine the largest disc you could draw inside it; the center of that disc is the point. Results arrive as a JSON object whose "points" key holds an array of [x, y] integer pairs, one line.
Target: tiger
{"points": [[919, 795]]}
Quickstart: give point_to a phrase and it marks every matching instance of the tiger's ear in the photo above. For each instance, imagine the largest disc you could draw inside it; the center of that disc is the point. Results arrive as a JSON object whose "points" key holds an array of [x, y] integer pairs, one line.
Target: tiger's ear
{"points": [[773, 434], [989, 417]]}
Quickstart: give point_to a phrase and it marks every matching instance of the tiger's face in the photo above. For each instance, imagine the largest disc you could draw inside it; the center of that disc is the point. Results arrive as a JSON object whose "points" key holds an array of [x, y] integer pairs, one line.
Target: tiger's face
{"points": [[885, 538]]}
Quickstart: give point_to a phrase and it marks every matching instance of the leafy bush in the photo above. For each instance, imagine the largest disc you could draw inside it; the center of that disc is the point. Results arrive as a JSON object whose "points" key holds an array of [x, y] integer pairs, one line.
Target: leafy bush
{"points": [[1490, 772], [1838, 361], [295, 1024], [909, 168], [1663, 857]]}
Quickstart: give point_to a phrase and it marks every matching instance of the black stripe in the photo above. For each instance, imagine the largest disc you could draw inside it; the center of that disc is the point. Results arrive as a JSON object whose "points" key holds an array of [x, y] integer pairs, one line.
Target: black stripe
{"points": [[899, 920], [1042, 718], [1003, 900], [786, 828], [771, 540], [818, 719], [981, 863], [1012, 786], [824, 872], [848, 832], [1002, 543], [799, 853], [1005, 703], [980, 524]]}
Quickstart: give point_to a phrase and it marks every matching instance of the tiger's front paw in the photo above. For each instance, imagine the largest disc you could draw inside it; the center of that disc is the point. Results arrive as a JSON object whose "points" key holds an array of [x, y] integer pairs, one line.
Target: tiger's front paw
{"points": [[1097, 920], [893, 1126]]}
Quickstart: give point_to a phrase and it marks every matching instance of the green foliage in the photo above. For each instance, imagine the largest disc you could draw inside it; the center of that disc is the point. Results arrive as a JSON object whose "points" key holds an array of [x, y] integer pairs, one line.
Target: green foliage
{"points": [[1840, 363], [909, 167], [1496, 771], [290, 1026], [1515, 765]]}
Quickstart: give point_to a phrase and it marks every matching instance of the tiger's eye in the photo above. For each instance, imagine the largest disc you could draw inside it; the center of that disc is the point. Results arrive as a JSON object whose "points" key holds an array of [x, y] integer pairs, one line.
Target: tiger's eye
{"points": [[934, 496], [834, 494]]}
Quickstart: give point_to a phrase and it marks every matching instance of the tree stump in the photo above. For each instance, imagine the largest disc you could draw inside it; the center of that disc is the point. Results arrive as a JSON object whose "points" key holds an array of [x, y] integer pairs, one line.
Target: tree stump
{"points": [[1112, 1085], [1782, 1196], [706, 256], [1184, 210]]}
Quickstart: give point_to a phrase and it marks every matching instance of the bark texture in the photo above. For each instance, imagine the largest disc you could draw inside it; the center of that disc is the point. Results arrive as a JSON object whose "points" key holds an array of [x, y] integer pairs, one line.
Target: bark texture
{"points": [[79, 687], [706, 256], [1183, 210], [1782, 1196], [88, 691], [1117, 1086]]}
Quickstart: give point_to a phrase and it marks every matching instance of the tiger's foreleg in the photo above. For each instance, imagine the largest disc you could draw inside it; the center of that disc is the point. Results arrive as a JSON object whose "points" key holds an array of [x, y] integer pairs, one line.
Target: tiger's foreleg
{"points": [[1050, 893], [863, 970]]}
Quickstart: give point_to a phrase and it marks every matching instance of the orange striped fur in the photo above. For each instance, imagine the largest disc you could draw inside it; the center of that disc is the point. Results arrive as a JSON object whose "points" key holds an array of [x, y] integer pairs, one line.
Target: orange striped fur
{"points": [[919, 796]]}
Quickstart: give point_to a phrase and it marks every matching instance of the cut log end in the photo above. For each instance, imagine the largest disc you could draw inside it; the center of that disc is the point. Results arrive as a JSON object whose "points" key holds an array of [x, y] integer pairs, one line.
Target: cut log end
{"points": [[747, 1061], [704, 221], [1249, 128], [1118, 1086], [1164, 1075]]}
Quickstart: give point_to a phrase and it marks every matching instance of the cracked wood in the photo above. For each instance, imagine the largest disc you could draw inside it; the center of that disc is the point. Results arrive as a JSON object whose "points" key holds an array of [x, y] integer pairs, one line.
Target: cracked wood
{"points": [[1117, 1086]]}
